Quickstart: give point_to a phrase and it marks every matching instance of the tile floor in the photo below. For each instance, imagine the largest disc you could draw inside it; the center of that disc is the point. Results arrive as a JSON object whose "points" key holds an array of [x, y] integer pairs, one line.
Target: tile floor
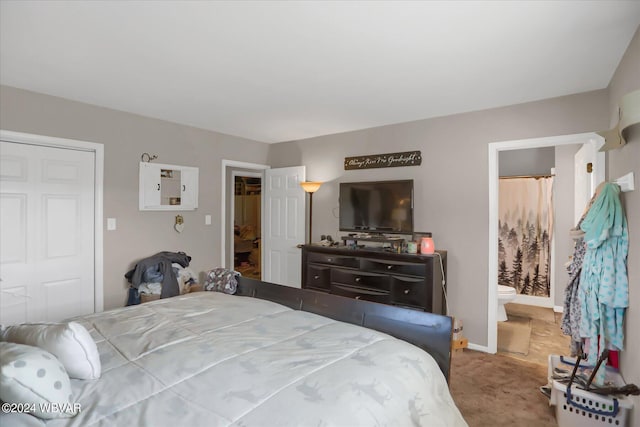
{"points": [[546, 336]]}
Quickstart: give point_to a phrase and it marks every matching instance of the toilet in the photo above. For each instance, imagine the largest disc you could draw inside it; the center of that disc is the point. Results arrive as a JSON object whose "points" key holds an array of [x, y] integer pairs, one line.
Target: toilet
{"points": [[505, 294]]}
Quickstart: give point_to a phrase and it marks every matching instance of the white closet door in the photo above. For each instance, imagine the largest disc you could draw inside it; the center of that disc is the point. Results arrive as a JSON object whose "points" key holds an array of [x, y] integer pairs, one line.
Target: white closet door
{"points": [[47, 233]]}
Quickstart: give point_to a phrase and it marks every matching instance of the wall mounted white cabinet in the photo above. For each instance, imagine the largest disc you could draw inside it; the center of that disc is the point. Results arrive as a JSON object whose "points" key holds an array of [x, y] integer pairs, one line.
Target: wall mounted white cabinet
{"points": [[168, 187]]}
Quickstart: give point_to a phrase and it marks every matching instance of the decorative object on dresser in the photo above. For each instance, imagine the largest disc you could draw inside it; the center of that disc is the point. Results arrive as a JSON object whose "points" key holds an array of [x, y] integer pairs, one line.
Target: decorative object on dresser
{"points": [[409, 280]]}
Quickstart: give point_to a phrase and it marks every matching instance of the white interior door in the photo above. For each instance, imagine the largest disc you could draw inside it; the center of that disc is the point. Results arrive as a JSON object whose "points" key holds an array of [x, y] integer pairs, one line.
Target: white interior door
{"points": [[284, 225], [586, 182], [47, 228]]}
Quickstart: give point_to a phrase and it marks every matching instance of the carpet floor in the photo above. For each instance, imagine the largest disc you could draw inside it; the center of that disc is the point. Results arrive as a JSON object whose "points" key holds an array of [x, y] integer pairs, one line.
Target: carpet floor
{"points": [[496, 390]]}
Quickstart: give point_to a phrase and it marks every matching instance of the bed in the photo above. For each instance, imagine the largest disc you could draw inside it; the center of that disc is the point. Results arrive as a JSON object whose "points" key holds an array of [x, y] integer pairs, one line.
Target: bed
{"points": [[211, 359]]}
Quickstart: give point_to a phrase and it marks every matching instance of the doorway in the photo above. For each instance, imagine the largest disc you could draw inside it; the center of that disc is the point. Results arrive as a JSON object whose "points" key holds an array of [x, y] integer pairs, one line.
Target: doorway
{"points": [[230, 170], [283, 213], [494, 150], [247, 224], [525, 236]]}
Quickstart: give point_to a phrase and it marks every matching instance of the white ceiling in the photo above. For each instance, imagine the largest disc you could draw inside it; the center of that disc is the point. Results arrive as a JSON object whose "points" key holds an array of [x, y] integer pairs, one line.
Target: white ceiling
{"points": [[281, 71]]}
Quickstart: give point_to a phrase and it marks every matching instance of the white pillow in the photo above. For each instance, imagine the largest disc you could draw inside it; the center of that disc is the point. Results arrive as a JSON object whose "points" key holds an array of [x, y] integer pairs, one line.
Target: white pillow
{"points": [[70, 342], [34, 377]]}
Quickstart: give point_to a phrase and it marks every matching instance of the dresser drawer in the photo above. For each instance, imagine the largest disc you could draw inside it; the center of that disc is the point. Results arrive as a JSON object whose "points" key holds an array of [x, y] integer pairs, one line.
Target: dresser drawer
{"points": [[318, 277], [396, 267], [341, 261], [360, 279], [408, 291], [359, 293]]}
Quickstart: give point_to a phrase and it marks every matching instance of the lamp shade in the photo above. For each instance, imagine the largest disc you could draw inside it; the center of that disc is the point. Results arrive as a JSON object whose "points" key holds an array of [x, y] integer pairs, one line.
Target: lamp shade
{"points": [[310, 186]]}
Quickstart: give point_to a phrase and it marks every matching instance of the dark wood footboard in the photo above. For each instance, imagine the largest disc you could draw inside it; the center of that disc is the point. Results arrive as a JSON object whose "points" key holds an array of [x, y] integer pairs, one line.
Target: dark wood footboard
{"points": [[431, 332]]}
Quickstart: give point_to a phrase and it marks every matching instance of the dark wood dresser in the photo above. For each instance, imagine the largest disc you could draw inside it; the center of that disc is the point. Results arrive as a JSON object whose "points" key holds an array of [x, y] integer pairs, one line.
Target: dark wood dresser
{"points": [[407, 280]]}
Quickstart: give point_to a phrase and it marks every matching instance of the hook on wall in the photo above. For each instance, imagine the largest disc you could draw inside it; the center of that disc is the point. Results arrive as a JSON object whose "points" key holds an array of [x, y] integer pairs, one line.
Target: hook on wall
{"points": [[148, 156], [179, 225]]}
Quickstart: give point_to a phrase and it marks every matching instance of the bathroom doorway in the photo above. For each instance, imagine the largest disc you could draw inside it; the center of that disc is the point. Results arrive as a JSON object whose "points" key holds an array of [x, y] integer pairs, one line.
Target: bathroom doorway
{"points": [[566, 143], [526, 222]]}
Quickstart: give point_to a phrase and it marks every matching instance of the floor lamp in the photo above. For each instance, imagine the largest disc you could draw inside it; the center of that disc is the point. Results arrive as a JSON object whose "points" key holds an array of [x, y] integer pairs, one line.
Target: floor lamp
{"points": [[310, 187]]}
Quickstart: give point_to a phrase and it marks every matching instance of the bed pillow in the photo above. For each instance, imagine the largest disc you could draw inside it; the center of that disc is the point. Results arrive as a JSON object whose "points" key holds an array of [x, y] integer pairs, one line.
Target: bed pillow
{"points": [[34, 377], [70, 342], [222, 280]]}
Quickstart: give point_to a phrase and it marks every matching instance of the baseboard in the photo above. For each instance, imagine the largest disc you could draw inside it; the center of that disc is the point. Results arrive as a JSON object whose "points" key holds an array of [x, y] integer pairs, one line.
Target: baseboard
{"points": [[477, 347], [558, 309]]}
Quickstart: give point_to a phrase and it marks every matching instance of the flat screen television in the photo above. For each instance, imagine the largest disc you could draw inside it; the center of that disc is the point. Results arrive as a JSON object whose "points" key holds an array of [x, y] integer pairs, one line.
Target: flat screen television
{"points": [[377, 207]]}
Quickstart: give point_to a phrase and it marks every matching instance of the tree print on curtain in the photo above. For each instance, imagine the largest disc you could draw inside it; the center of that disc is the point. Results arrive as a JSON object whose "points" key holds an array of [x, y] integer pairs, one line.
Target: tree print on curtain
{"points": [[524, 234]]}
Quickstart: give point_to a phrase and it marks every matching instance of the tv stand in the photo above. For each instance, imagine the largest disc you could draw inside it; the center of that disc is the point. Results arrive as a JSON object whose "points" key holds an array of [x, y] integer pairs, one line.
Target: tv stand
{"points": [[409, 280]]}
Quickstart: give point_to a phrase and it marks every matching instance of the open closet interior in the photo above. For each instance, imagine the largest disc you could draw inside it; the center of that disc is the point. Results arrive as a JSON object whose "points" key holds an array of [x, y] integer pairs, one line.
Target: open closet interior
{"points": [[247, 225]]}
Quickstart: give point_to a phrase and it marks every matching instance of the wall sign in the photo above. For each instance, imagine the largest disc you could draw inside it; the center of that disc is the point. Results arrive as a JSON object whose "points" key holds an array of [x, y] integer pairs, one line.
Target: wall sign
{"points": [[389, 160]]}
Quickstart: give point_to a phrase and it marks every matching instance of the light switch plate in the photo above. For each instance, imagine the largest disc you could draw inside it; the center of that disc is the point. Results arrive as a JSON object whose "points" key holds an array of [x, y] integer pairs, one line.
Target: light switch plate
{"points": [[207, 220], [111, 224]]}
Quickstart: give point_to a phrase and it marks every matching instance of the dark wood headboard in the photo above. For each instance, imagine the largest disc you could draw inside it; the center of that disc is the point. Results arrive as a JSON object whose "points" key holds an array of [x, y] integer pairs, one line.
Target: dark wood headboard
{"points": [[431, 332]]}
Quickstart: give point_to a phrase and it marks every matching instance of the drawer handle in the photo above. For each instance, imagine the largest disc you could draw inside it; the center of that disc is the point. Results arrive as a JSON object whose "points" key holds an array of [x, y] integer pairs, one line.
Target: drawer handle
{"points": [[329, 259], [406, 291], [357, 297], [389, 267], [316, 277], [357, 279]]}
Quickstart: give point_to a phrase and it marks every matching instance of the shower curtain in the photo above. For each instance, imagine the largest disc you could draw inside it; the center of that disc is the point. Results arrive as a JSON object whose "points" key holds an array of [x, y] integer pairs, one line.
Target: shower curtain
{"points": [[524, 235]]}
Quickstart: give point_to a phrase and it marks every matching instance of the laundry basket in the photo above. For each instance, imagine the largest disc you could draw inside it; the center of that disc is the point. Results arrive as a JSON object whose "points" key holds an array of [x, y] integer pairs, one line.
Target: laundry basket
{"points": [[577, 408]]}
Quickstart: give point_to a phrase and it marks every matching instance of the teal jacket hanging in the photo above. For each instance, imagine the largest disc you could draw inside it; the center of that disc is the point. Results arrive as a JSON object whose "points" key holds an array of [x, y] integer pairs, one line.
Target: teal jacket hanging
{"points": [[604, 285]]}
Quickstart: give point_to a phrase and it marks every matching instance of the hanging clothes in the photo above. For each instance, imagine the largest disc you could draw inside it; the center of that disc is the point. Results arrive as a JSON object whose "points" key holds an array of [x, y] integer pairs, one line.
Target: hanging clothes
{"points": [[571, 314], [570, 324], [604, 286]]}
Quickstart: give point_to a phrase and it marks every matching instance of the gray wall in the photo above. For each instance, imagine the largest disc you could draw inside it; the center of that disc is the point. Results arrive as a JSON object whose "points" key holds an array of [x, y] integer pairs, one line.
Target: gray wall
{"points": [[125, 137], [621, 161], [451, 185], [530, 161]]}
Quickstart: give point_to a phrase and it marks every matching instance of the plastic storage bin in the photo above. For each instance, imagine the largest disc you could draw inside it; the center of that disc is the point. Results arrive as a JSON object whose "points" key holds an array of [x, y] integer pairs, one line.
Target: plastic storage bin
{"points": [[580, 408]]}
